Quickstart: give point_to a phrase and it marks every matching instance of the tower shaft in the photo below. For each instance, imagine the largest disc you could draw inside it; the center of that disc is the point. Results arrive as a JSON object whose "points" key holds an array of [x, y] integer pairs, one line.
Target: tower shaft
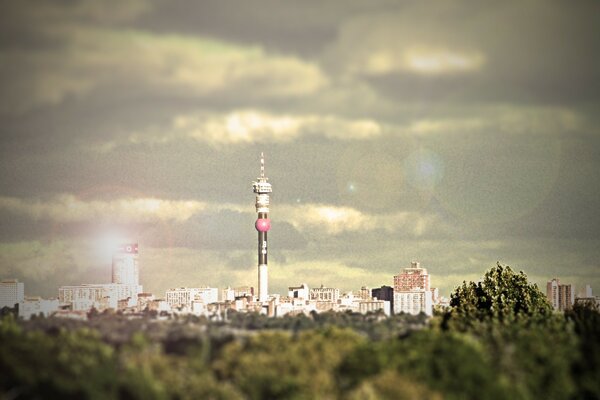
{"points": [[262, 188]]}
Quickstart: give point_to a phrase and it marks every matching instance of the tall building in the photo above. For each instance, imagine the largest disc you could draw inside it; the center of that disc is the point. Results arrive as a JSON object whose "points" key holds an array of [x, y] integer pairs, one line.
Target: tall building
{"points": [[11, 292], [384, 293], [560, 296], [552, 292], [412, 293], [122, 292], [125, 267], [262, 188]]}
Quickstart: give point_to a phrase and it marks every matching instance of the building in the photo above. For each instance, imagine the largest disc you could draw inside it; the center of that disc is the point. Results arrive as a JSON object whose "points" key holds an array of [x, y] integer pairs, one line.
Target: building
{"points": [[560, 296], [243, 291], [36, 306], [325, 294], [384, 293], [366, 306], [412, 291], [301, 292], [552, 292], [12, 292], [125, 268], [585, 292], [99, 296], [365, 293], [185, 297], [262, 188]]}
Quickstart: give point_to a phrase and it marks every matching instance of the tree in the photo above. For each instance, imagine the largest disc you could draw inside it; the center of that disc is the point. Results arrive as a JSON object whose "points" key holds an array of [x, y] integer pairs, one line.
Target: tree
{"points": [[532, 347], [503, 295]]}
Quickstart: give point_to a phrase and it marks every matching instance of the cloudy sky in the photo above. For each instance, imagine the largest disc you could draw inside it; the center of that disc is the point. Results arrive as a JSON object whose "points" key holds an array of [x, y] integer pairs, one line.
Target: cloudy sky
{"points": [[454, 133]]}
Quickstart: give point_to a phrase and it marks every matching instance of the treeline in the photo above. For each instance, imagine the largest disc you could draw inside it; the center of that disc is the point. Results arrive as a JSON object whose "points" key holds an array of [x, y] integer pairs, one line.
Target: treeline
{"points": [[499, 340]]}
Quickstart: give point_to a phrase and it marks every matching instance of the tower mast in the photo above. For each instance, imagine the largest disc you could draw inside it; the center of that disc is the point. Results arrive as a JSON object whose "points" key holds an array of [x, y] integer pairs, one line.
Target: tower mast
{"points": [[262, 188]]}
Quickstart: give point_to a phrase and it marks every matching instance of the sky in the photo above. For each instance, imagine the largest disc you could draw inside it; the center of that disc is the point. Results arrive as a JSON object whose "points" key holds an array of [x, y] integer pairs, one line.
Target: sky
{"points": [[454, 133]]}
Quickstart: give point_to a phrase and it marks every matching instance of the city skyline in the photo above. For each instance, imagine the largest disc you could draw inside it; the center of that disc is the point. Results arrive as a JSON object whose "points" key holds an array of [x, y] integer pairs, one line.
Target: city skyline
{"points": [[456, 135]]}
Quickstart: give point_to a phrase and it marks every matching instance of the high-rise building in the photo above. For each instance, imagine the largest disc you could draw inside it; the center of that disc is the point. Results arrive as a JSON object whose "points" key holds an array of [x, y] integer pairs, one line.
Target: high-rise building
{"points": [[11, 292], [566, 297], [552, 292], [125, 267], [262, 188], [412, 293], [560, 296], [384, 293]]}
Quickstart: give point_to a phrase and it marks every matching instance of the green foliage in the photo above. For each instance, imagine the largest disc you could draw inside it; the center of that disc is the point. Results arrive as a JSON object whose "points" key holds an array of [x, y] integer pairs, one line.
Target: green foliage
{"points": [[586, 369], [390, 385], [68, 365], [503, 296], [278, 365], [531, 348], [450, 363]]}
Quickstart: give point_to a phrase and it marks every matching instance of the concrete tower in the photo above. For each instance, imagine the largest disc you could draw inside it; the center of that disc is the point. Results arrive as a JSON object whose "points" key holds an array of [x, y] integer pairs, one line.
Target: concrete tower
{"points": [[262, 189]]}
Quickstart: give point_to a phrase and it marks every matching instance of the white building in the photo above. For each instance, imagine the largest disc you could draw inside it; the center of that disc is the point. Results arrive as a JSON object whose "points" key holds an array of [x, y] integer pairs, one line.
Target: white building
{"points": [[184, 297], [125, 265], [100, 296], [299, 292], [366, 306], [325, 294], [412, 291], [126, 270], [11, 292], [37, 306]]}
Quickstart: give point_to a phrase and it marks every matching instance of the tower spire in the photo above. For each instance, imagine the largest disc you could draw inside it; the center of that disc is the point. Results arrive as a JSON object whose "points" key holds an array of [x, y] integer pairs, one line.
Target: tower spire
{"points": [[262, 165]]}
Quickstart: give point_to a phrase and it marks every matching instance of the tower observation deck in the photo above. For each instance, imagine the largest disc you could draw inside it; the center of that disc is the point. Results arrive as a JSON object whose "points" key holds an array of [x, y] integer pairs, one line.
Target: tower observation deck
{"points": [[262, 188]]}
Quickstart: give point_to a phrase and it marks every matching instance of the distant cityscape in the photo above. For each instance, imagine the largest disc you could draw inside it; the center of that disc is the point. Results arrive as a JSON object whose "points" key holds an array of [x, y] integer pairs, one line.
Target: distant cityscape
{"points": [[411, 292]]}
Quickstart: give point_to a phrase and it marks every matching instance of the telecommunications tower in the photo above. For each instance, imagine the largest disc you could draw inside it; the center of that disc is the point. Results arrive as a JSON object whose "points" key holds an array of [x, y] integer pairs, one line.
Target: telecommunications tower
{"points": [[262, 188]]}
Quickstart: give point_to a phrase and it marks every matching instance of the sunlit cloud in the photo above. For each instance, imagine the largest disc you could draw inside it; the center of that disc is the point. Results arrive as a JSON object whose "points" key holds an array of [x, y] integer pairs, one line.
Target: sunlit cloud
{"points": [[325, 218], [432, 62], [247, 126], [336, 219], [416, 60], [251, 126], [502, 119], [68, 208]]}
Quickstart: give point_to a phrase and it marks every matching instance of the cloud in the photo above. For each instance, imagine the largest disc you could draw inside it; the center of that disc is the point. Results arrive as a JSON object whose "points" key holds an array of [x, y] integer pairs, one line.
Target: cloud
{"points": [[324, 218], [68, 208], [90, 58], [250, 126], [418, 60], [335, 220], [503, 119]]}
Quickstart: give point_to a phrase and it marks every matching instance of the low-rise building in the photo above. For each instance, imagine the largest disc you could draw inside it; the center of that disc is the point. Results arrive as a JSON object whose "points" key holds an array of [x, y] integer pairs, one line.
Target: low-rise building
{"points": [[36, 306]]}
